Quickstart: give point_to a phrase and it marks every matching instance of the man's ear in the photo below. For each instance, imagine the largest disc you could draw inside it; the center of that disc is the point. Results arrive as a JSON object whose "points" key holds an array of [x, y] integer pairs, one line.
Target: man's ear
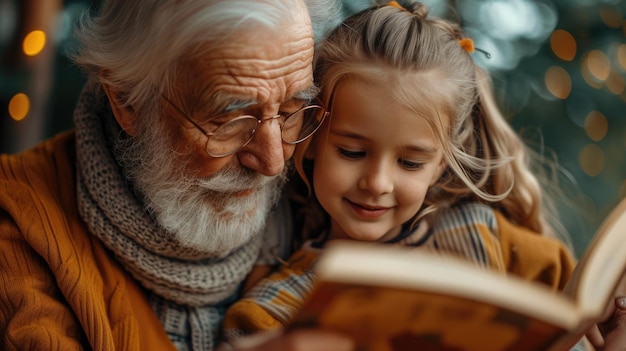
{"points": [[124, 116]]}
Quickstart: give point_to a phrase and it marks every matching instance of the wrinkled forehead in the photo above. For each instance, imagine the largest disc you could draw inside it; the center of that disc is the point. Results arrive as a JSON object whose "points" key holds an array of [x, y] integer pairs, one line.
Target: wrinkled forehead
{"points": [[257, 65]]}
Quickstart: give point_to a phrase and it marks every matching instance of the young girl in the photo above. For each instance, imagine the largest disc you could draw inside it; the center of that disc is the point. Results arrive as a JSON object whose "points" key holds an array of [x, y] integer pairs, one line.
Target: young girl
{"points": [[416, 153]]}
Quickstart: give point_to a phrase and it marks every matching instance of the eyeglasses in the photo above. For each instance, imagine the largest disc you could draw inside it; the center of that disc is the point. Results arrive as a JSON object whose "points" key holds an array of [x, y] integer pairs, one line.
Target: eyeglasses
{"points": [[234, 135]]}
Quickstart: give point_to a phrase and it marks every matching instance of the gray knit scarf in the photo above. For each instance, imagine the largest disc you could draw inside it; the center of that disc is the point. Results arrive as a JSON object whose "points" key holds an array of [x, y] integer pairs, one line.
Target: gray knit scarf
{"points": [[186, 283]]}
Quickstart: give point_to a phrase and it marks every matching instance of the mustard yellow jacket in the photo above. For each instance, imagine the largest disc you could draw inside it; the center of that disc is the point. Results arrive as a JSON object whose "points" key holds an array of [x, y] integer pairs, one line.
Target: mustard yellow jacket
{"points": [[60, 289]]}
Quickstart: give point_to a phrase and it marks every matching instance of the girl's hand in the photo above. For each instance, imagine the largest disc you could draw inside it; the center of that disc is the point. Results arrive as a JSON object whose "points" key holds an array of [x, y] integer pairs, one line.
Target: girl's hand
{"points": [[610, 333]]}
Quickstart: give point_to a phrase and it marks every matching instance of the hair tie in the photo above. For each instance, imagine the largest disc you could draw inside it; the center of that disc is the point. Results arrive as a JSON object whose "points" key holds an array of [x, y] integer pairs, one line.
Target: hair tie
{"points": [[468, 45], [396, 5]]}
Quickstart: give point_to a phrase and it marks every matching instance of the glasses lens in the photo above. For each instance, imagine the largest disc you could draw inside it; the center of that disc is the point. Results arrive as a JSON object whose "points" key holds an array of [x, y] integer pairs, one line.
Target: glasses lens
{"points": [[231, 136], [302, 124]]}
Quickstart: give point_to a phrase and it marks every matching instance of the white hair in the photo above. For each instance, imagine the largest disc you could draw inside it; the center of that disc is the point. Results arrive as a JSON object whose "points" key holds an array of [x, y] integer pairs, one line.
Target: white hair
{"points": [[325, 16], [139, 44]]}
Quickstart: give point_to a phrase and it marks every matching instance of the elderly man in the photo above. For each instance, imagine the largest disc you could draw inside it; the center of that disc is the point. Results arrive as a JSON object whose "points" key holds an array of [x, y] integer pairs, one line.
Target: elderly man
{"points": [[137, 230]]}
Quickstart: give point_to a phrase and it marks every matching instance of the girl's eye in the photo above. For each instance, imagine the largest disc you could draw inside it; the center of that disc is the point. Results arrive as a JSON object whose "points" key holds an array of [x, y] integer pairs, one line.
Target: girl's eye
{"points": [[410, 165], [350, 153]]}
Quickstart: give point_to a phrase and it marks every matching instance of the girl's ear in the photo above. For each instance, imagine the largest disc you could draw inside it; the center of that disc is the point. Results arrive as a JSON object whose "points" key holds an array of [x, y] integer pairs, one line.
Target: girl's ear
{"points": [[124, 115]]}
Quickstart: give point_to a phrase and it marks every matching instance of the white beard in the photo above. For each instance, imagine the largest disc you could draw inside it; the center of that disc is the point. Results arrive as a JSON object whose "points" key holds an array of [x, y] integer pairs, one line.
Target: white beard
{"points": [[201, 213], [207, 216]]}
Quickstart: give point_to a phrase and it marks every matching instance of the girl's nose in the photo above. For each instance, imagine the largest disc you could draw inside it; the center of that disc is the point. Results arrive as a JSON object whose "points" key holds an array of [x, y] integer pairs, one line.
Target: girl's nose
{"points": [[378, 179]]}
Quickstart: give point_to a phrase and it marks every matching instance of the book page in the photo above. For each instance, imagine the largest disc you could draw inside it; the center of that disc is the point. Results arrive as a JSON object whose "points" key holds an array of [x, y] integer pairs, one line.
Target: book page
{"points": [[602, 265]]}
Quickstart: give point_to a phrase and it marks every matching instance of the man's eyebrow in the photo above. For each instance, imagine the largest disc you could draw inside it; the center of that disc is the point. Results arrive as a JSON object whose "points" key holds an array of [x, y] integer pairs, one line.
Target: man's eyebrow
{"points": [[220, 104], [237, 105], [307, 94]]}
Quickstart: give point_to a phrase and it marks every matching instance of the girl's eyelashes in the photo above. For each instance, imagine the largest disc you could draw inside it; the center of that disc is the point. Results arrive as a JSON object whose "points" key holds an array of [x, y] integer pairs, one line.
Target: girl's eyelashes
{"points": [[411, 165], [358, 154], [351, 154]]}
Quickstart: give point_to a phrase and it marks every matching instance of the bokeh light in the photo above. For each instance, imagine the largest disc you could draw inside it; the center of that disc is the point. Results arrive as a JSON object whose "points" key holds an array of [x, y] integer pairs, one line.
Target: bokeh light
{"points": [[19, 105], [621, 56], [611, 16], [615, 83], [596, 125], [595, 68], [558, 82], [563, 44], [591, 159], [598, 64], [34, 42]]}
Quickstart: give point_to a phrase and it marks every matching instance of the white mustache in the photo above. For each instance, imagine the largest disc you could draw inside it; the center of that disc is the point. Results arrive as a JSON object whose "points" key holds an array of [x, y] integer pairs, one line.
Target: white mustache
{"points": [[233, 180]]}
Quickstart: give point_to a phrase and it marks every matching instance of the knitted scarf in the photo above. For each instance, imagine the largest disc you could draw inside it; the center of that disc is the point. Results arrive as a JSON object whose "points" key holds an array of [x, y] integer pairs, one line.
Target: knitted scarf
{"points": [[181, 279]]}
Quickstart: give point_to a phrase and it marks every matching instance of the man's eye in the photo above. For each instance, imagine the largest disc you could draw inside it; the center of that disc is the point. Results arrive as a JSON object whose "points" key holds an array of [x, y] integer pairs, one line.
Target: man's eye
{"points": [[291, 107], [351, 154], [217, 120]]}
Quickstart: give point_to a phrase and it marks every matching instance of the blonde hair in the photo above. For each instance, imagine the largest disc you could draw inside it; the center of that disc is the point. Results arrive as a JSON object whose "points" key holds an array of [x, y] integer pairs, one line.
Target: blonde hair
{"points": [[487, 161]]}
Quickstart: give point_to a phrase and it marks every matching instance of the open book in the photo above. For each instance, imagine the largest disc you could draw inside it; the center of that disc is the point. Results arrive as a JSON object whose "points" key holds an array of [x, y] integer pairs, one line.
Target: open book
{"points": [[391, 299]]}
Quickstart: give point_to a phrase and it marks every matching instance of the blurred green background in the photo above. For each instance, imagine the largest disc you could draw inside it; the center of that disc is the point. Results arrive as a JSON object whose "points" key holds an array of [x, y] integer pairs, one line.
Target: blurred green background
{"points": [[559, 67]]}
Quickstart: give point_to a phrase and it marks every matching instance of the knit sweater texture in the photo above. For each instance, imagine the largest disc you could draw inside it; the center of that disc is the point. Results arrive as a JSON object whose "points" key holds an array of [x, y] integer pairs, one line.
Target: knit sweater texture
{"points": [[60, 289]]}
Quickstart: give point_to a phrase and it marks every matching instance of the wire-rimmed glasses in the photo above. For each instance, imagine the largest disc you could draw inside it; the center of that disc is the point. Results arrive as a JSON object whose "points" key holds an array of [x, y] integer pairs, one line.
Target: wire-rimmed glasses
{"points": [[232, 136]]}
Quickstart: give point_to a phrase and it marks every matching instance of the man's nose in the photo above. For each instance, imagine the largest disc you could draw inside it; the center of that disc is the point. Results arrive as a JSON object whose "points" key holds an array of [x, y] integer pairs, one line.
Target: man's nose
{"points": [[265, 153]]}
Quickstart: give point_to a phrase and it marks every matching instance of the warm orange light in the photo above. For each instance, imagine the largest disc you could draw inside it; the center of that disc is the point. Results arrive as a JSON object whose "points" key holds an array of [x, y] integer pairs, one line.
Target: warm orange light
{"points": [[615, 83], [598, 64], [591, 159], [19, 105], [558, 82], [589, 78], [596, 125], [621, 56], [611, 16], [34, 42], [563, 45]]}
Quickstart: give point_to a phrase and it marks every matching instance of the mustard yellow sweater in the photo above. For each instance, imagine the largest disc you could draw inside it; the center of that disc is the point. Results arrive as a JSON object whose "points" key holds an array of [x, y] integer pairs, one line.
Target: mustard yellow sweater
{"points": [[59, 287]]}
